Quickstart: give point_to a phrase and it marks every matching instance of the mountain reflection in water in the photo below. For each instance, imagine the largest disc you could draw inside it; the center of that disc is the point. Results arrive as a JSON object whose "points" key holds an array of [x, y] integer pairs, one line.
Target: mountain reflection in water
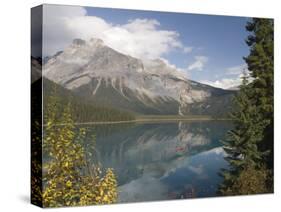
{"points": [[160, 161]]}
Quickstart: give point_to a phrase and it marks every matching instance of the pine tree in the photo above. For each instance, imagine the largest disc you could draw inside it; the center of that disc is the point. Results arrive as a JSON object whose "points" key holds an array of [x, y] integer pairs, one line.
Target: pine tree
{"points": [[241, 144], [260, 64], [249, 146]]}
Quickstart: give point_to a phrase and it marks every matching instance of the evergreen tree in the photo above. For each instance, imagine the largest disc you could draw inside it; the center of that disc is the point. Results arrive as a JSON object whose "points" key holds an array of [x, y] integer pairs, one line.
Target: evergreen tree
{"points": [[260, 64], [241, 144], [249, 146]]}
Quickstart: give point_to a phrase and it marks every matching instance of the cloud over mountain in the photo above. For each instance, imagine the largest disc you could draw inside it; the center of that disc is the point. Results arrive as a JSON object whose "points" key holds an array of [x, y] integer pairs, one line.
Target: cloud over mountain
{"points": [[198, 64], [232, 78], [141, 38], [225, 83]]}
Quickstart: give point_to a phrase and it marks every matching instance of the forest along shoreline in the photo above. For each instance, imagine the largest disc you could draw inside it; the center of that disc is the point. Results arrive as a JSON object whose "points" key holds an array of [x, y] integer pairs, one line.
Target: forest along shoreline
{"points": [[153, 119]]}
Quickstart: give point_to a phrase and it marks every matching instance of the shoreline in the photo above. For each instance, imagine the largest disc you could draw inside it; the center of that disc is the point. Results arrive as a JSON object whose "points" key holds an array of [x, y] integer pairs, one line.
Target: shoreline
{"points": [[150, 120]]}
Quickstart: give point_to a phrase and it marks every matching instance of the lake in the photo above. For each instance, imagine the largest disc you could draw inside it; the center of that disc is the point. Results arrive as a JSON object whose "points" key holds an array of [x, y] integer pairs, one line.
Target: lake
{"points": [[161, 161]]}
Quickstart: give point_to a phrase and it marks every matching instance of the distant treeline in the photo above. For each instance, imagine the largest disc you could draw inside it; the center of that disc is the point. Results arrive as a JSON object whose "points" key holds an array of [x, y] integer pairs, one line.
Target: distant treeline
{"points": [[82, 111]]}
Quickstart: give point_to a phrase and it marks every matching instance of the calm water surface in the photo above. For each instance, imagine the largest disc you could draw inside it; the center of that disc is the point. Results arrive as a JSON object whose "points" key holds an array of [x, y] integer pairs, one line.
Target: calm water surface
{"points": [[160, 161]]}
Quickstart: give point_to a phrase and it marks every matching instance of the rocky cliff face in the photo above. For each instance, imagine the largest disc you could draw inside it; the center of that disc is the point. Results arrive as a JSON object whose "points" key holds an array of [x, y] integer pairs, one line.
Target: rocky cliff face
{"points": [[93, 70]]}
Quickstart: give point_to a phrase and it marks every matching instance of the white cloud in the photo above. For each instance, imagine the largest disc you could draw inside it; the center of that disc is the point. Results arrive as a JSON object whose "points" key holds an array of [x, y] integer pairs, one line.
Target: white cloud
{"points": [[182, 71], [187, 49], [56, 35], [141, 38], [198, 64], [232, 77], [237, 70], [225, 83]]}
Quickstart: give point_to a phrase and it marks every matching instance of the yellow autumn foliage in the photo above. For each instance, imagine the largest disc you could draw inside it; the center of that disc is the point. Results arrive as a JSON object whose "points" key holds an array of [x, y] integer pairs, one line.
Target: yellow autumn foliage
{"points": [[36, 164], [68, 179]]}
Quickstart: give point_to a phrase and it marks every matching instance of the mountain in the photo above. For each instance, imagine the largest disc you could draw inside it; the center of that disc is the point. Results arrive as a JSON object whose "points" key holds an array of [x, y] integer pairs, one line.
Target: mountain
{"points": [[94, 71], [82, 110], [36, 69]]}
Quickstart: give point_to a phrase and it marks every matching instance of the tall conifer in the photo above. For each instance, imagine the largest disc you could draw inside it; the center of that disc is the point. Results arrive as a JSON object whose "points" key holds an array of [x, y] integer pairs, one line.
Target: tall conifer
{"points": [[260, 63], [249, 146]]}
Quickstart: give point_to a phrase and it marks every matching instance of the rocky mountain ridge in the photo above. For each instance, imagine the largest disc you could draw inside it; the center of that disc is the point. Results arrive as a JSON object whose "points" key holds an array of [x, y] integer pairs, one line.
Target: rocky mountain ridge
{"points": [[93, 70]]}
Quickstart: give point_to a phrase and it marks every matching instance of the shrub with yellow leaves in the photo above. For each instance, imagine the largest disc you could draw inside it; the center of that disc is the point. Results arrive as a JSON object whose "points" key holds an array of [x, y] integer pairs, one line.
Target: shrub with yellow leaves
{"points": [[68, 179], [36, 144]]}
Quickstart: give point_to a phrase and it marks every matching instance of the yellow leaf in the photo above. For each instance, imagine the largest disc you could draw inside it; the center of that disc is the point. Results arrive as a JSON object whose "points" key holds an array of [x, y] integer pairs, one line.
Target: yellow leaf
{"points": [[68, 183], [105, 198]]}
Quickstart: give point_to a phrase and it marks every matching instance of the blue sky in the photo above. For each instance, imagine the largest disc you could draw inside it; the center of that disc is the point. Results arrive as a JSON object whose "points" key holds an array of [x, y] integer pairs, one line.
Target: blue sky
{"points": [[209, 49], [219, 38]]}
